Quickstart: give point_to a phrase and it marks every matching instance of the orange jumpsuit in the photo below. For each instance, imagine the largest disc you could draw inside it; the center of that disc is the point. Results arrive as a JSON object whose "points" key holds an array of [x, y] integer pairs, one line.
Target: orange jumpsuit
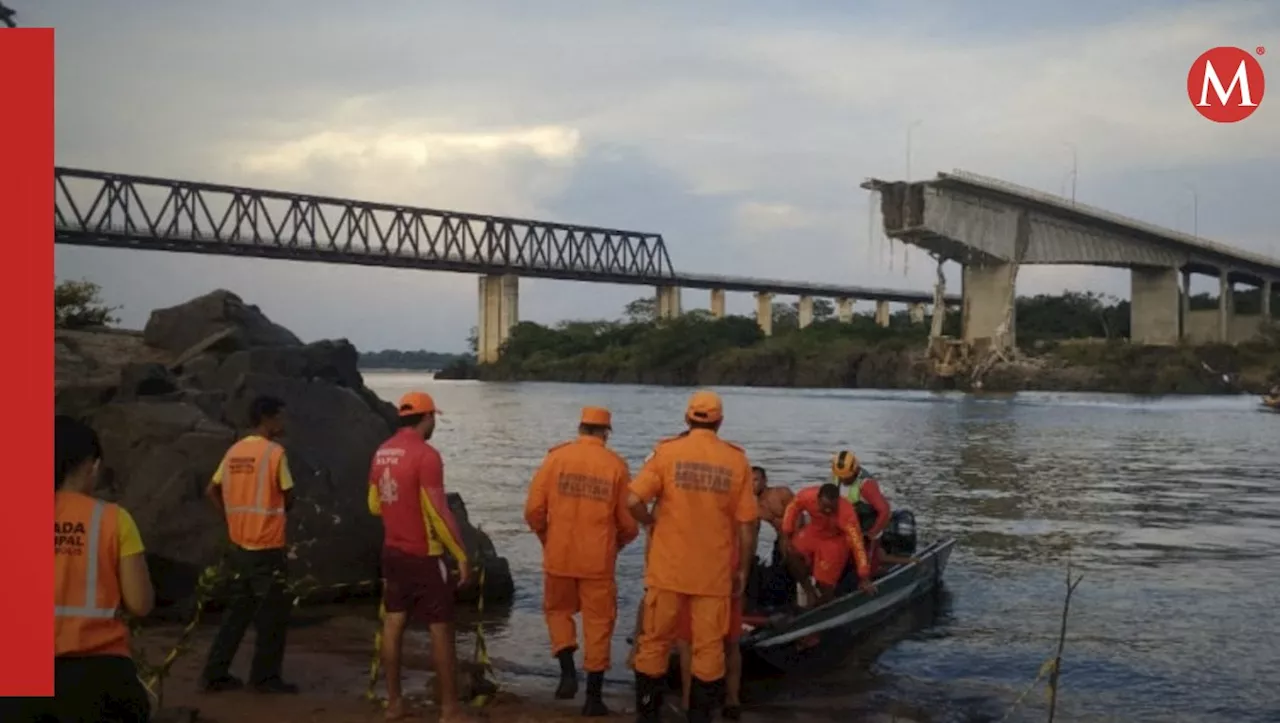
{"points": [[827, 540], [577, 506], [703, 485]]}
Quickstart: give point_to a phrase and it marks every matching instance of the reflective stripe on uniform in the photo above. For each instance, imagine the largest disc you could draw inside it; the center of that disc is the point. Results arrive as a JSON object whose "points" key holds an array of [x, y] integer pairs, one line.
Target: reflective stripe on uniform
{"points": [[261, 491], [89, 609]]}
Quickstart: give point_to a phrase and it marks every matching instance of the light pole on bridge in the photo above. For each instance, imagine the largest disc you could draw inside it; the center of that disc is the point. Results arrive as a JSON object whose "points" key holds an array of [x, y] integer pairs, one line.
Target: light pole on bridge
{"points": [[1075, 168]]}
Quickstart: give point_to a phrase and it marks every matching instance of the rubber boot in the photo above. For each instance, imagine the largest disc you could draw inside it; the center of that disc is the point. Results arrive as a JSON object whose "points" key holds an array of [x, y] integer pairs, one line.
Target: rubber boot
{"points": [[568, 687], [703, 700], [648, 698], [593, 706]]}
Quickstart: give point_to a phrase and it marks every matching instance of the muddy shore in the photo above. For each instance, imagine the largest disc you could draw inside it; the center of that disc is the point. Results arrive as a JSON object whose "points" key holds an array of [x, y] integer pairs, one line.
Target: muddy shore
{"points": [[329, 656]]}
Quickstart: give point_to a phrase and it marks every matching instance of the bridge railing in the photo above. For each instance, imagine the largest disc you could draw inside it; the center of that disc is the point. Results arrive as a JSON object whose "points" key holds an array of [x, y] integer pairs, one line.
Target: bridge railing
{"points": [[96, 208]]}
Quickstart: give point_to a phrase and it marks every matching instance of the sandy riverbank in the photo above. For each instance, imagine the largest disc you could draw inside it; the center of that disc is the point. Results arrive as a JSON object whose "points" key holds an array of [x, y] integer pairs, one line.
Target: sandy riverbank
{"points": [[328, 658], [329, 661]]}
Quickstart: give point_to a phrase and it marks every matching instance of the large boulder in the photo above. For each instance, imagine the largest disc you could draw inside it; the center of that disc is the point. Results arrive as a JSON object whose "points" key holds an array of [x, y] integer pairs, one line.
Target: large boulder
{"points": [[181, 327], [167, 405]]}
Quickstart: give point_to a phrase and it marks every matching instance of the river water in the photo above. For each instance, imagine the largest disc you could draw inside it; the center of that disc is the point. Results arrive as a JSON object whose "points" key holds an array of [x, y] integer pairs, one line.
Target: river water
{"points": [[1168, 507]]}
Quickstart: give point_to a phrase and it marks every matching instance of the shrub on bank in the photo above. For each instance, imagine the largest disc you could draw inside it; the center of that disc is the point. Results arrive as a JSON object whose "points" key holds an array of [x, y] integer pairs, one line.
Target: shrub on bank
{"points": [[1064, 338]]}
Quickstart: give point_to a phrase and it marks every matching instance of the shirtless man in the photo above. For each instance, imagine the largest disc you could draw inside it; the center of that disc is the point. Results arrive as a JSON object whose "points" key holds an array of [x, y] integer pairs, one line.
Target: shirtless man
{"points": [[773, 501]]}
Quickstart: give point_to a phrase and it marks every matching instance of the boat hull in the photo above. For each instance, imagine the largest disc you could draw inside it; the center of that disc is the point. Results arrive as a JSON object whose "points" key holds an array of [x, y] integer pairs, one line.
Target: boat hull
{"points": [[785, 644]]}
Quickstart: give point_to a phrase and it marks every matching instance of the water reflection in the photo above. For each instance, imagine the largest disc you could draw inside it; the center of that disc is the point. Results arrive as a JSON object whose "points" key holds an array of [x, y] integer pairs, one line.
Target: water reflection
{"points": [[1168, 506]]}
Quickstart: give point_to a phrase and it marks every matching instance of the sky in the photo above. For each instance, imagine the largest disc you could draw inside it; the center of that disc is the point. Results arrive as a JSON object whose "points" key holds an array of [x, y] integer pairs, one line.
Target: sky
{"points": [[740, 131]]}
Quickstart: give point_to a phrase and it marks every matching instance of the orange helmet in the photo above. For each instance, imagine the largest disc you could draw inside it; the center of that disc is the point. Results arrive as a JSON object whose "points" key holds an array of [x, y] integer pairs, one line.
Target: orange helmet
{"points": [[844, 464]]}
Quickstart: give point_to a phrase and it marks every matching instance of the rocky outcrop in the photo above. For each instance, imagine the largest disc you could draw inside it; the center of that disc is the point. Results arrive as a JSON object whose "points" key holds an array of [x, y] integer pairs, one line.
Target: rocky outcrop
{"points": [[168, 403]]}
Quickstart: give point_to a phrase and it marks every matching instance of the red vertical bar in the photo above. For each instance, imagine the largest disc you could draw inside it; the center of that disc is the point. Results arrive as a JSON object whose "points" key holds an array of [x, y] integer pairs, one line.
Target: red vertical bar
{"points": [[26, 288]]}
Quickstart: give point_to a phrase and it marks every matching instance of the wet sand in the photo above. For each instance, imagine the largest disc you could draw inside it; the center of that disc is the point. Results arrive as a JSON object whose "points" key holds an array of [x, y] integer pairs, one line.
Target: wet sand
{"points": [[329, 656], [329, 660]]}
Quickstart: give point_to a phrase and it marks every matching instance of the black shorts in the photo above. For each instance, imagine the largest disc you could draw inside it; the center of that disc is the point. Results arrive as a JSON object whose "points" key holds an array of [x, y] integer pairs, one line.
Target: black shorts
{"points": [[88, 689], [417, 585]]}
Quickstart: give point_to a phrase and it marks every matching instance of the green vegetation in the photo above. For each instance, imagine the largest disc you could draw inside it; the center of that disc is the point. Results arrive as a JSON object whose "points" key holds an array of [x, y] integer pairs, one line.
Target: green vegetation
{"points": [[420, 360], [1073, 341], [78, 305]]}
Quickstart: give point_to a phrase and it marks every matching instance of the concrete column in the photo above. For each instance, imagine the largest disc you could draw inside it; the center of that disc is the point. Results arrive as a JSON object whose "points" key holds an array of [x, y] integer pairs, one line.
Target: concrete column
{"points": [[1185, 305], [1266, 302], [717, 303], [1225, 306], [498, 312], [882, 313], [987, 292], [1154, 306], [509, 313], [764, 312], [844, 310], [668, 302], [805, 315], [916, 311]]}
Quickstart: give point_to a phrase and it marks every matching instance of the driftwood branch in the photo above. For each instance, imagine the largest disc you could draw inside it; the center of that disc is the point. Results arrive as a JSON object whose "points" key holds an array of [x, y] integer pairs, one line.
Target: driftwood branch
{"points": [[1052, 666], [1062, 641]]}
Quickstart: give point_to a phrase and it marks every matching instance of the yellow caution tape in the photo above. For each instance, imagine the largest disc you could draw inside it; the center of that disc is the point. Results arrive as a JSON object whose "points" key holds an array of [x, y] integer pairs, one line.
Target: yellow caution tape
{"points": [[152, 675]]}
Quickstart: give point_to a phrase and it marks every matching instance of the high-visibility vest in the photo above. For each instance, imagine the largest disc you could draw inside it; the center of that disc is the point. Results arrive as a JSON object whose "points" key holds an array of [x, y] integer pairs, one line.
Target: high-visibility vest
{"points": [[86, 564], [251, 494], [866, 513]]}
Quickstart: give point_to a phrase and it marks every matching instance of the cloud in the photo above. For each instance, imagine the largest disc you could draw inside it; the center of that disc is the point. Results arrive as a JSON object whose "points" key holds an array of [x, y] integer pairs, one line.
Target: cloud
{"points": [[740, 131]]}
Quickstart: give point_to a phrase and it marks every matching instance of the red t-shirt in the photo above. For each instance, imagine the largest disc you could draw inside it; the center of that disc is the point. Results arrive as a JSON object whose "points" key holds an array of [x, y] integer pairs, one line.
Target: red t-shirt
{"points": [[407, 490]]}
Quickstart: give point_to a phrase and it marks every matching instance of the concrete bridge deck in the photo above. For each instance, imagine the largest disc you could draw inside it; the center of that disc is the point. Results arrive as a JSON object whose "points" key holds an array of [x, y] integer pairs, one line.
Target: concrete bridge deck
{"points": [[992, 227]]}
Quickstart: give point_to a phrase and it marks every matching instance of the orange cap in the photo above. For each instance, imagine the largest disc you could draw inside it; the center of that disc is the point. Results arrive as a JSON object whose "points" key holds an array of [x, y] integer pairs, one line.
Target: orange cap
{"points": [[704, 406], [417, 403], [598, 416]]}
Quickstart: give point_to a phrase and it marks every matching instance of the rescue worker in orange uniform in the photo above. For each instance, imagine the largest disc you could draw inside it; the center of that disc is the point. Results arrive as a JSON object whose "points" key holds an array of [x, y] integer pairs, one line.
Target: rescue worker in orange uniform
{"points": [[99, 569], [254, 489], [577, 506], [406, 489], [822, 547], [703, 485]]}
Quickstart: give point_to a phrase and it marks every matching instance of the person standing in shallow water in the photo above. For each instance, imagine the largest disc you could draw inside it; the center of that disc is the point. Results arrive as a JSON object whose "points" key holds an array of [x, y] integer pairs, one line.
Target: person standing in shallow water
{"points": [[703, 485], [253, 488], [577, 508], [406, 489]]}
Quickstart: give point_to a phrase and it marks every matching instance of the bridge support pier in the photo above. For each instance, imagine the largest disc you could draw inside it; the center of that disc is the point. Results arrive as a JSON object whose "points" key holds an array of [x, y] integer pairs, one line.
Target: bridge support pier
{"points": [[1226, 305], [987, 292], [668, 302], [844, 310], [916, 313], [499, 311], [1184, 330], [805, 315], [1267, 291], [882, 313], [717, 303], [1154, 306], [764, 312]]}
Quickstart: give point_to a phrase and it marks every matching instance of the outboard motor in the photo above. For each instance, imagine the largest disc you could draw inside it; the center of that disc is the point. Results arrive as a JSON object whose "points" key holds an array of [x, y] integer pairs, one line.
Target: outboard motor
{"points": [[899, 536]]}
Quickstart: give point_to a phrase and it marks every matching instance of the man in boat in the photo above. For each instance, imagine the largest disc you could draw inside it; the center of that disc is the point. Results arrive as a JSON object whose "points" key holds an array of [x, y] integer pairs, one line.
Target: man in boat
{"points": [[703, 485], [577, 508], [821, 548], [863, 492], [772, 501]]}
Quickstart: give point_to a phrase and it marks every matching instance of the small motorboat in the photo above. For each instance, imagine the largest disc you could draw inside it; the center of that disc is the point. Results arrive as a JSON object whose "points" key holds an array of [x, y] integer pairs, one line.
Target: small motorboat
{"points": [[1271, 404], [782, 640]]}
